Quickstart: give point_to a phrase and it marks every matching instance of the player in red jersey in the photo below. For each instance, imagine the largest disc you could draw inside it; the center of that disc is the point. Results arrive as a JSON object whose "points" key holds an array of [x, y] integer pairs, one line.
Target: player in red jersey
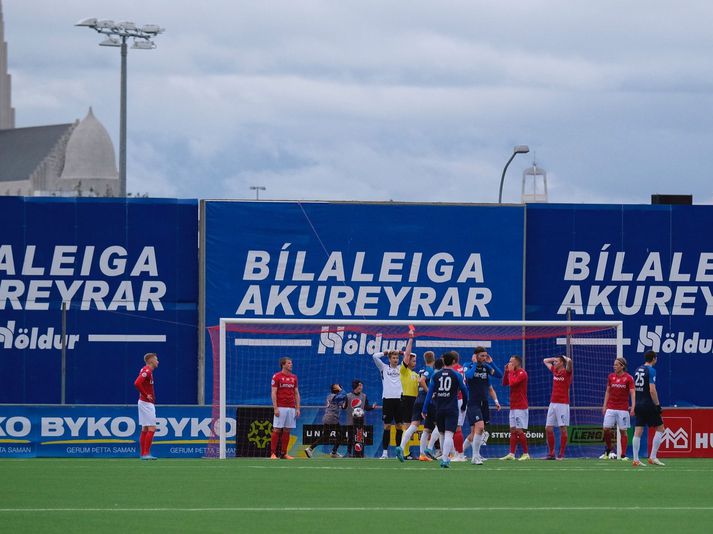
{"points": [[286, 405], [558, 411], [516, 377], [147, 404], [616, 409]]}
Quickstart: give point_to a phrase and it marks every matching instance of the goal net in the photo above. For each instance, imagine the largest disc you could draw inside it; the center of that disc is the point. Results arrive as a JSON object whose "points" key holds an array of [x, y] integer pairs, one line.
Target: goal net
{"points": [[246, 354]]}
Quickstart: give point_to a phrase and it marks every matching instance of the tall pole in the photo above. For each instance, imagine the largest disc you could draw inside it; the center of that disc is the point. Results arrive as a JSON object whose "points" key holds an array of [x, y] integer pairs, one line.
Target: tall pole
{"points": [[502, 179], [122, 122], [64, 352]]}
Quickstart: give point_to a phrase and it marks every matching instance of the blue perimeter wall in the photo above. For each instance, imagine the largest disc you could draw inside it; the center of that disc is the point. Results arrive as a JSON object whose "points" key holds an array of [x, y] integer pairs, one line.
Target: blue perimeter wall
{"points": [[130, 268]]}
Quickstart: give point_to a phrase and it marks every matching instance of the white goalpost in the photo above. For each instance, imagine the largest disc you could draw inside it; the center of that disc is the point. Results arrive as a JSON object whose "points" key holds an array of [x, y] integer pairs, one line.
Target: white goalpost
{"points": [[245, 353]]}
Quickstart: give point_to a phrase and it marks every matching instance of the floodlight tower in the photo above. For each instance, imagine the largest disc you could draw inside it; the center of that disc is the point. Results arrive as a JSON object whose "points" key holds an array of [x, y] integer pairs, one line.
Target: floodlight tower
{"points": [[117, 34]]}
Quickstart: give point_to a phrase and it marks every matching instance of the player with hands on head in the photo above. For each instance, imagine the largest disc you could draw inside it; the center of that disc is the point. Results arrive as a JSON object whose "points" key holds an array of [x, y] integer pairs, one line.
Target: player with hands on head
{"points": [[516, 378], [558, 410], [477, 376], [330, 421]]}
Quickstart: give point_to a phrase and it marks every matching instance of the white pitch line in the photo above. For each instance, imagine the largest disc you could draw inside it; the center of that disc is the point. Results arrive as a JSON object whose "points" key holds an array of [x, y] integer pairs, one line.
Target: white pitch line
{"points": [[373, 509]]}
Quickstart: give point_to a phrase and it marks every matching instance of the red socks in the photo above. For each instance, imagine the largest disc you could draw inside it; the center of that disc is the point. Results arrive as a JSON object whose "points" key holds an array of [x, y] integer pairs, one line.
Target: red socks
{"points": [[624, 442], [273, 441], [513, 440], [607, 439], [458, 441], [563, 443], [523, 441], [550, 441], [145, 441], [285, 441]]}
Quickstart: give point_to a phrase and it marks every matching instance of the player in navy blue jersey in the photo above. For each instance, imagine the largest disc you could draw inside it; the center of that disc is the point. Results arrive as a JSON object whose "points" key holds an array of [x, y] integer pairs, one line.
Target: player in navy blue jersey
{"points": [[477, 376], [443, 392], [647, 409]]}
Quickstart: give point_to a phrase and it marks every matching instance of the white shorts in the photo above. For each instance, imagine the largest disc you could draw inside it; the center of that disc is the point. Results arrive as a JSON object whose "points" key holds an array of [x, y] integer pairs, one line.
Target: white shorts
{"points": [[557, 414], [618, 418], [286, 419], [461, 415], [519, 419], [147, 413]]}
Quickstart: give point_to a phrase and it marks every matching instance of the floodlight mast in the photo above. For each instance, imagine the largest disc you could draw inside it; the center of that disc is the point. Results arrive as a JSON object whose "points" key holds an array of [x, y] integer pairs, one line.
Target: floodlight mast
{"points": [[117, 34]]}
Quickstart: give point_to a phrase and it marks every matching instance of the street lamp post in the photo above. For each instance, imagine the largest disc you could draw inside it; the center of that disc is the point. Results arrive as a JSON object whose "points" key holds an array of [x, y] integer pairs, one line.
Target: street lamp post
{"points": [[117, 34], [519, 149], [257, 189]]}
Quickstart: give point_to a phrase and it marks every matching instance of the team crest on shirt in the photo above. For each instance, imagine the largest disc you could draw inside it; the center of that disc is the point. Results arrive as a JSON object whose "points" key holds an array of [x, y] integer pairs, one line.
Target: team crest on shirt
{"points": [[143, 374]]}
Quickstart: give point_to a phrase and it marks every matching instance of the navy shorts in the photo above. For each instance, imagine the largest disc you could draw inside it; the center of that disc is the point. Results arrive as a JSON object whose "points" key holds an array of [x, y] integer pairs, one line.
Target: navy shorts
{"points": [[647, 415], [417, 409], [485, 410], [474, 414], [447, 421]]}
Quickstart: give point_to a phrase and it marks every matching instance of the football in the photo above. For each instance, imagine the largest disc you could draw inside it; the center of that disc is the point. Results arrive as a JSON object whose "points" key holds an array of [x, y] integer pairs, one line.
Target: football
{"points": [[358, 412], [612, 456]]}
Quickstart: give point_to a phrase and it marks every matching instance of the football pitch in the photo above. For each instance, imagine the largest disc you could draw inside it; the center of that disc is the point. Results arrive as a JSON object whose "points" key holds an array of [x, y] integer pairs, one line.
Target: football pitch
{"points": [[348, 495]]}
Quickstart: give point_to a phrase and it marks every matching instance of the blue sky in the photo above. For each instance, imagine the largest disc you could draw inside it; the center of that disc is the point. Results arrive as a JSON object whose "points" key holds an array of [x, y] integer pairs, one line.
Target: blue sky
{"points": [[374, 100]]}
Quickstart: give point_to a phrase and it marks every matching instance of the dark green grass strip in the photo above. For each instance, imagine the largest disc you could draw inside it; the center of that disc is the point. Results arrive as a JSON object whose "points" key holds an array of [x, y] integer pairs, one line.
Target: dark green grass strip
{"points": [[366, 496]]}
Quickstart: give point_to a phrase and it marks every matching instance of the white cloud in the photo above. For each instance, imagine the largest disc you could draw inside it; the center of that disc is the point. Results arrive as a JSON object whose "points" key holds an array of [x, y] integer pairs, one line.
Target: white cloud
{"points": [[386, 100]]}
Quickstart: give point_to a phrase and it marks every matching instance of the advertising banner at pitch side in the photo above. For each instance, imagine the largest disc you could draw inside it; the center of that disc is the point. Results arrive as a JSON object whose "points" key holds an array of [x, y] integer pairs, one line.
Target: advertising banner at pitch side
{"points": [[649, 266], [105, 432], [126, 270], [361, 261]]}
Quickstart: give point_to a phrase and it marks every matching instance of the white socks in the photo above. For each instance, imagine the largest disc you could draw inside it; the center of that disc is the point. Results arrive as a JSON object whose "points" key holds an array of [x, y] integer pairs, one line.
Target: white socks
{"points": [[635, 444], [447, 445], [424, 441], [477, 441], [658, 437], [406, 437]]}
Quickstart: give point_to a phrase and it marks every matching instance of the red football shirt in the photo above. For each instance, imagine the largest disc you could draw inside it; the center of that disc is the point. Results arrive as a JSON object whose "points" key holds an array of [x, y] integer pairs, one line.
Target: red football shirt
{"points": [[144, 383], [517, 380], [458, 368], [286, 385], [619, 388], [561, 380]]}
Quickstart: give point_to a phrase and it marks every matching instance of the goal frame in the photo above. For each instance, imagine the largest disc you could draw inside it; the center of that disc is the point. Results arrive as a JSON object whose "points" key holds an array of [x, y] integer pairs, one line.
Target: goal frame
{"points": [[224, 322]]}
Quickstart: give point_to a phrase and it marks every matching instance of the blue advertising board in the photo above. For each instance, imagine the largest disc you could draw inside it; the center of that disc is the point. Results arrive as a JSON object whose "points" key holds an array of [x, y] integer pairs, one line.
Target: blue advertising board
{"points": [[187, 432], [104, 431], [649, 266], [321, 260], [126, 270]]}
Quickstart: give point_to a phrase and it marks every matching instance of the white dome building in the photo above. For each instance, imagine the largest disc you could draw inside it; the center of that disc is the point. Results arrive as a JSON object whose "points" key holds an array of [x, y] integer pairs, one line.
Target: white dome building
{"points": [[89, 161]]}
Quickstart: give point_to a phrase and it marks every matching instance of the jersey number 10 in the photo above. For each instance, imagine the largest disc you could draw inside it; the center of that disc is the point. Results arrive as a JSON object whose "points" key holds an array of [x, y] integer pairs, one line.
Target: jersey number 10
{"points": [[444, 383]]}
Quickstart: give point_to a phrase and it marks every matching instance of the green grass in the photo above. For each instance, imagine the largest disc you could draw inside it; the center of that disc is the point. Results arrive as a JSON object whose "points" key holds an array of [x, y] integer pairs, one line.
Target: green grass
{"points": [[341, 496]]}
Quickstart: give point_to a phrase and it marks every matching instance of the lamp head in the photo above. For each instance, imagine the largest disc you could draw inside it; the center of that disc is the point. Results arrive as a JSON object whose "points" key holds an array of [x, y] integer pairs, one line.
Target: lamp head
{"points": [[89, 23], [521, 149]]}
